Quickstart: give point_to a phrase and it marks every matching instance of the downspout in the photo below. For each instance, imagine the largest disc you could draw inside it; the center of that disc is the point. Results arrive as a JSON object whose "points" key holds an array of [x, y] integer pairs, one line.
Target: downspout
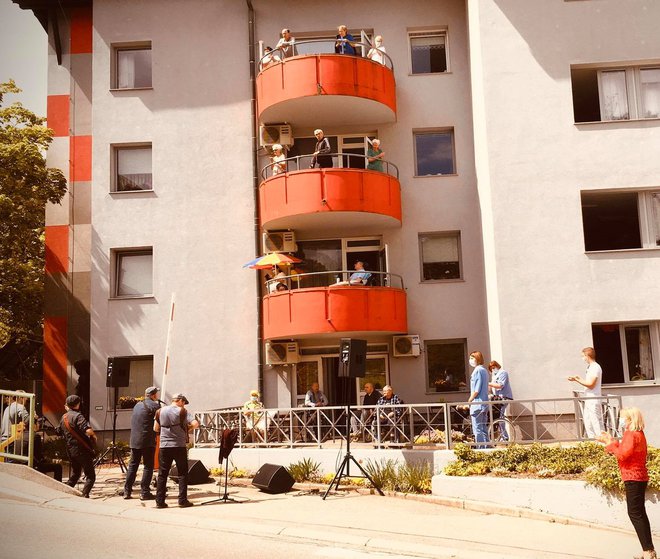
{"points": [[255, 190]]}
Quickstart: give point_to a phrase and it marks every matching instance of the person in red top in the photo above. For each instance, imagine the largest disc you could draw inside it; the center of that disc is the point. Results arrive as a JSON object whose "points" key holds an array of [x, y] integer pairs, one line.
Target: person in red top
{"points": [[631, 455]]}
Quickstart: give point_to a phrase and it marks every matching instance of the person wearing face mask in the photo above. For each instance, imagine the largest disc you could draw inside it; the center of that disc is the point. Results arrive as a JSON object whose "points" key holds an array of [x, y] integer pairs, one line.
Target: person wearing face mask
{"points": [[479, 393], [592, 413], [255, 421], [631, 455], [501, 389]]}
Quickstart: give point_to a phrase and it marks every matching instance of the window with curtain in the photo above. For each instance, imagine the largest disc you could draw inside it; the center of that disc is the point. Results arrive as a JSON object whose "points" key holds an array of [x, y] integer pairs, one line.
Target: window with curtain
{"points": [[133, 169], [434, 153], [655, 205], [440, 256], [650, 92], [626, 351], [428, 52], [134, 271], [133, 67], [614, 97]]}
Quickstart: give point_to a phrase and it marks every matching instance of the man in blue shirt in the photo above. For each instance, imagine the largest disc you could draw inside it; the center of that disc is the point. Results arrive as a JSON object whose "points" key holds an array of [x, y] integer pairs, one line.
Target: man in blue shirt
{"points": [[501, 386], [143, 444], [344, 43], [360, 276]]}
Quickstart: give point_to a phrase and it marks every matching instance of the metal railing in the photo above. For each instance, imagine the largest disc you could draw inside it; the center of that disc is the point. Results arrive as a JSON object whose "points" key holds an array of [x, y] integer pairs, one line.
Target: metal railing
{"points": [[407, 425], [309, 47], [18, 413], [368, 278], [349, 161]]}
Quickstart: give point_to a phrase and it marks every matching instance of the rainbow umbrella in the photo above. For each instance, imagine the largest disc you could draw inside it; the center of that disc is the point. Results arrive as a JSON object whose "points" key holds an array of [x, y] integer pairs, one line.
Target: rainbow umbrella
{"points": [[270, 260]]}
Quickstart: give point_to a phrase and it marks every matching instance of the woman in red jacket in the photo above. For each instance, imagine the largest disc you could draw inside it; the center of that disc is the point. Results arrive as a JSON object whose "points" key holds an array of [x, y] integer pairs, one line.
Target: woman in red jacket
{"points": [[631, 455]]}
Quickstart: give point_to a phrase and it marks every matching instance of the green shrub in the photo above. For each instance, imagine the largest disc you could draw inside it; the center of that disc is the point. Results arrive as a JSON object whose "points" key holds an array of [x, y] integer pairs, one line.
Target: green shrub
{"points": [[383, 473], [304, 470], [407, 478]]}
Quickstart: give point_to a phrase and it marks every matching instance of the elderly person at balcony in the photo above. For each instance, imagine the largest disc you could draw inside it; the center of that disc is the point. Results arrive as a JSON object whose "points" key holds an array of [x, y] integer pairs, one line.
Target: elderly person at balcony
{"points": [[255, 421], [286, 44], [377, 52], [501, 390], [269, 58], [387, 418], [314, 397], [344, 42], [360, 276], [278, 160], [371, 397], [375, 156], [322, 151]]}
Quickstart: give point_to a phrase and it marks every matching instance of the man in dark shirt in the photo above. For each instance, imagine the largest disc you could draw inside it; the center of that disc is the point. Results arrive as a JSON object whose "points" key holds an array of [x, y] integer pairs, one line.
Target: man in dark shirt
{"points": [[322, 151], [80, 440], [143, 444], [371, 397]]}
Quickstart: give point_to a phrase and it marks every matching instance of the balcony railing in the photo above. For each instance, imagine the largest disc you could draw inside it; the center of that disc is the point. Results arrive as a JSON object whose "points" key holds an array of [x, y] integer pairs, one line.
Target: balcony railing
{"points": [[408, 425], [336, 278], [339, 161]]}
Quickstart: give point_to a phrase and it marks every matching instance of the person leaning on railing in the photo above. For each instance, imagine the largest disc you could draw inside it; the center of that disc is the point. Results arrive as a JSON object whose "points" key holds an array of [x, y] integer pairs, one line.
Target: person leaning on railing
{"points": [[375, 156], [344, 42], [286, 44]]}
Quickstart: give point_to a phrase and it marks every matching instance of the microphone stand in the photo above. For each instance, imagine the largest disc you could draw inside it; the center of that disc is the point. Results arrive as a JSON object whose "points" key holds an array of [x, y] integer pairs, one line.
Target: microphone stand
{"points": [[222, 498]]}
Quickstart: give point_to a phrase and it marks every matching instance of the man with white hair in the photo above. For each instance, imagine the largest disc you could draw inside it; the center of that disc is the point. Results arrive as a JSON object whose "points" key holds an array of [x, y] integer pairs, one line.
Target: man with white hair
{"points": [[322, 151], [286, 44], [389, 418], [375, 156]]}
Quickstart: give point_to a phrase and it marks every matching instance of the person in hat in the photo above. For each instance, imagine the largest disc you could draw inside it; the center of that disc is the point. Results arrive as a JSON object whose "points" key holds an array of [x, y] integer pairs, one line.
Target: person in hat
{"points": [[174, 424], [143, 444], [255, 422], [80, 442]]}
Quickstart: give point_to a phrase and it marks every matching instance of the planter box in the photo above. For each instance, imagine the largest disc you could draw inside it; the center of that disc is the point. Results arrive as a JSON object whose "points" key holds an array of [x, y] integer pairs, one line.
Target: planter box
{"points": [[571, 499]]}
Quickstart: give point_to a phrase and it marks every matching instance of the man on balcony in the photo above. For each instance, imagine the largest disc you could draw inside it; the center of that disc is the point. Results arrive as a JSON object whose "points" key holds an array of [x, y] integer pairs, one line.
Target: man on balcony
{"points": [[344, 43], [286, 44], [360, 276], [322, 151]]}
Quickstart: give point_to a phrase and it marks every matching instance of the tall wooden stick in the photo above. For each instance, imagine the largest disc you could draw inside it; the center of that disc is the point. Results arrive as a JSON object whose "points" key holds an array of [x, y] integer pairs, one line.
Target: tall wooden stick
{"points": [[166, 364]]}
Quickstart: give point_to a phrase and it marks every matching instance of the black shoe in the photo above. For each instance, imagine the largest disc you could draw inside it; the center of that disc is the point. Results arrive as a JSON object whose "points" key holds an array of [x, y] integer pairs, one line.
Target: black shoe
{"points": [[127, 496], [147, 497], [161, 505], [186, 504]]}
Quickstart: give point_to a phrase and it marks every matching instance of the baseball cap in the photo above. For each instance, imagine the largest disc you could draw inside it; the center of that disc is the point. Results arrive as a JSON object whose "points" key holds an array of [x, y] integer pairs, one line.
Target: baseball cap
{"points": [[180, 396], [151, 391], [72, 400], [254, 393]]}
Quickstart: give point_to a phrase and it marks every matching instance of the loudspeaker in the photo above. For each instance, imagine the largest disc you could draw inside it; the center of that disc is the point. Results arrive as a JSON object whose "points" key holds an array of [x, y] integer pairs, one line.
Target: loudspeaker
{"points": [[272, 478], [352, 358], [197, 473], [119, 372]]}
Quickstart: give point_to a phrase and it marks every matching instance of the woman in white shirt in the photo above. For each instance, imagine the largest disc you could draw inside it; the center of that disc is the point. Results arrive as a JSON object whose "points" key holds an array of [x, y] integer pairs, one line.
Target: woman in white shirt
{"points": [[378, 51]]}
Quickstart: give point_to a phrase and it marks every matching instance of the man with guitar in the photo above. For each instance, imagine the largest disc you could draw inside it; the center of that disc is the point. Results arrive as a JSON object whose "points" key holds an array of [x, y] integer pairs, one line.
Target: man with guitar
{"points": [[80, 442]]}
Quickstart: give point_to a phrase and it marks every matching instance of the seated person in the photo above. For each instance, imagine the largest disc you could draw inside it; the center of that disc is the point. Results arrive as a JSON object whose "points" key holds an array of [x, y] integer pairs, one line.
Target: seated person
{"points": [[344, 43], [314, 397], [388, 418], [269, 58], [281, 287], [276, 280], [255, 421], [360, 276], [371, 397]]}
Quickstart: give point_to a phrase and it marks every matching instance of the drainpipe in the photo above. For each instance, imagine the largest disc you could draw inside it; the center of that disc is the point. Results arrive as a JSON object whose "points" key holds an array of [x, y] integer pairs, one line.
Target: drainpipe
{"points": [[255, 189]]}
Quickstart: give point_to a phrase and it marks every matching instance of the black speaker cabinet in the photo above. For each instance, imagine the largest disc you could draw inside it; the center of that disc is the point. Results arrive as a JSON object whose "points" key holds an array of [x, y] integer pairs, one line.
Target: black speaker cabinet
{"points": [[272, 478], [352, 358], [119, 372], [197, 473]]}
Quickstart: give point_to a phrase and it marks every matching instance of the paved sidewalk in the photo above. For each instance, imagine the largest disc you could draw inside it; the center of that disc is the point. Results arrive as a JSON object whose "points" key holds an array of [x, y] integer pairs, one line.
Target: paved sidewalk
{"points": [[347, 519]]}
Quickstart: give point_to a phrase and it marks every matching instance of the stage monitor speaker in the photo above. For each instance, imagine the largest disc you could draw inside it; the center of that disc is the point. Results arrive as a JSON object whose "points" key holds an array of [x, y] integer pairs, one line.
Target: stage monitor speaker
{"points": [[352, 358], [272, 478], [118, 373], [197, 473]]}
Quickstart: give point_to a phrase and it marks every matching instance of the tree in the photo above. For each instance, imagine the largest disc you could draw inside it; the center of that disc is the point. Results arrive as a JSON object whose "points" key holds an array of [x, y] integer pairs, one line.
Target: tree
{"points": [[26, 185]]}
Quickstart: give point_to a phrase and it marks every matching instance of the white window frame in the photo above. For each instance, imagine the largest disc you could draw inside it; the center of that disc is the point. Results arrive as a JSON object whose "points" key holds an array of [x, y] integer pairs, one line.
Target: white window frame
{"points": [[633, 90], [654, 332], [433, 32], [116, 255]]}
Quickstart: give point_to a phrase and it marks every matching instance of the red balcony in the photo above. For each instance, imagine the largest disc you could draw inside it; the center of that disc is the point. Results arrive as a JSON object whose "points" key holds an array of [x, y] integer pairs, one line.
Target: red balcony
{"points": [[333, 198], [320, 89], [335, 310]]}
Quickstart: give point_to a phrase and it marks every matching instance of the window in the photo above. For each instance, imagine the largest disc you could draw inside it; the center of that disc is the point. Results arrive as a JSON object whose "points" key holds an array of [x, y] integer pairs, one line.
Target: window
{"points": [[134, 270], [440, 255], [133, 169], [434, 153], [620, 220], [617, 93], [428, 52], [141, 376], [132, 65], [446, 365], [627, 352]]}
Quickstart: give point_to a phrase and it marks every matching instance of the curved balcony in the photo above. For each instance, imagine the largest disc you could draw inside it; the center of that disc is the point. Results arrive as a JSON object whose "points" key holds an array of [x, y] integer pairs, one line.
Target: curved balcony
{"points": [[322, 88], [330, 304], [298, 197]]}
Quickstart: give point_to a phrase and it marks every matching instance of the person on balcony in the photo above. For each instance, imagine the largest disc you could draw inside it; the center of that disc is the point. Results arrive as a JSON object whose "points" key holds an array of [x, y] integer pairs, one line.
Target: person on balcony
{"points": [[269, 58], [322, 151], [344, 42], [286, 45], [278, 159], [255, 421], [360, 276], [314, 397], [375, 156], [377, 52]]}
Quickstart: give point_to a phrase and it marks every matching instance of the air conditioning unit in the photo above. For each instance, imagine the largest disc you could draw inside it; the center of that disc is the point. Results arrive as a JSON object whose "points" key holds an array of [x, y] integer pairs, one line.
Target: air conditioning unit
{"points": [[281, 241], [270, 134], [281, 353], [406, 346]]}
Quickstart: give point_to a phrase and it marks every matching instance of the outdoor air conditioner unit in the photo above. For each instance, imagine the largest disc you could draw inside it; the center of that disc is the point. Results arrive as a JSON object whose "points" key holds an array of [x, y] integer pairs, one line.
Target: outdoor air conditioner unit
{"points": [[281, 241], [275, 134], [406, 346], [281, 353]]}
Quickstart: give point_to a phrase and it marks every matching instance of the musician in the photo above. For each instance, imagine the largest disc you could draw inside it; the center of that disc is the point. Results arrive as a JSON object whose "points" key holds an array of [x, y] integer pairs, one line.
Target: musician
{"points": [[80, 442], [143, 444]]}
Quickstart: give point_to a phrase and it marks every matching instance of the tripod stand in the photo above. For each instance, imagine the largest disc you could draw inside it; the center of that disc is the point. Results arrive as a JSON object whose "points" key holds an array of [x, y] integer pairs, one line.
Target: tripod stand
{"points": [[348, 458], [112, 450]]}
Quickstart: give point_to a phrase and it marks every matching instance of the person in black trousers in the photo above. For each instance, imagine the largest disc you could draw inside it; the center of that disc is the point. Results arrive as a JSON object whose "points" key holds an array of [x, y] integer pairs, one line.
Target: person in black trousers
{"points": [[322, 151]]}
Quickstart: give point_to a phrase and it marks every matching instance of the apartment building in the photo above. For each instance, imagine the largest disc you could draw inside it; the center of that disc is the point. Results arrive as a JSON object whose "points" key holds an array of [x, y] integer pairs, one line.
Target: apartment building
{"points": [[516, 211]]}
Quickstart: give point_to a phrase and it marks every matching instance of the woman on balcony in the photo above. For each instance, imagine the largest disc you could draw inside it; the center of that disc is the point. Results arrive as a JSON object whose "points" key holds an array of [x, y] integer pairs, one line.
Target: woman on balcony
{"points": [[375, 156], [278, 159], [344, 43], [378, 51]]}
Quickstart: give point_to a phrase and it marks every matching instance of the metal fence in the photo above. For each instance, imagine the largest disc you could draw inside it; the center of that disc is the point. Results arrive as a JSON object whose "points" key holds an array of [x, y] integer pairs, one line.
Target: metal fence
{"points": [[343, 161], [369, 278], [18, 429], [405, 425]]}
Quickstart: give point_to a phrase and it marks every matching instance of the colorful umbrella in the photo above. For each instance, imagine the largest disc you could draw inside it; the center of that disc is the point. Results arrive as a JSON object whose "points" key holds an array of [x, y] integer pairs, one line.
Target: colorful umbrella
{"points": [[270, 260]]}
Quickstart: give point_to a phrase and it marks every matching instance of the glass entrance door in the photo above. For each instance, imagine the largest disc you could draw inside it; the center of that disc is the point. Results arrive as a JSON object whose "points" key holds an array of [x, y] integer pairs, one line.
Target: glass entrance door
{"points": [[307, 372]]}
